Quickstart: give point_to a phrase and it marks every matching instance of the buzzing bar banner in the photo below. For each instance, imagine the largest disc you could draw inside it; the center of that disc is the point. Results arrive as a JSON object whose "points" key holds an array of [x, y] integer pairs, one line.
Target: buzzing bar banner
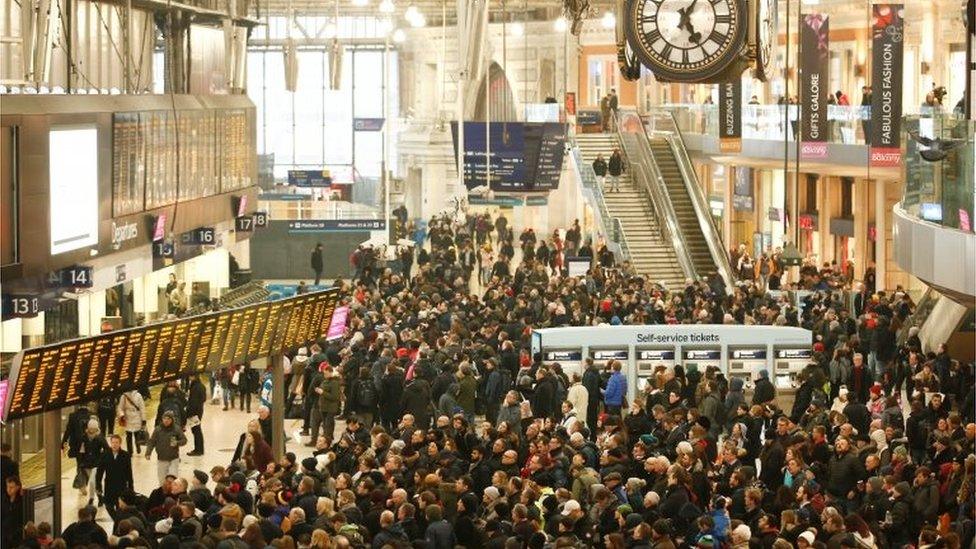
{"points": [[883, 131], [814, 63], [730, 116]]}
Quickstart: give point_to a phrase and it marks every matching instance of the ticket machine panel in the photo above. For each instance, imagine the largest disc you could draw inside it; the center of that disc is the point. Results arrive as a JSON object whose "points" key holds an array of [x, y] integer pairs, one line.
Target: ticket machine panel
{"points": [[604, 355], [745, 363], [702, 358], [571, 360], [648, 360], [789, 363]]}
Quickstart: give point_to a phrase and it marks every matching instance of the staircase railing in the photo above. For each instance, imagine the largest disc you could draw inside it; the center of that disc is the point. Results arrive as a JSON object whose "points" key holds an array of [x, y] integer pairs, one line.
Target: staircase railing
{"points": [[663, 123], [609, 226], [647, 177]]}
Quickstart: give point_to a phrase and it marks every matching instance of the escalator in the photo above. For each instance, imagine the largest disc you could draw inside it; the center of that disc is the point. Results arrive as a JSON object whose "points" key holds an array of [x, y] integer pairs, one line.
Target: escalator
{"points": [[653, 144], [695, 243]]}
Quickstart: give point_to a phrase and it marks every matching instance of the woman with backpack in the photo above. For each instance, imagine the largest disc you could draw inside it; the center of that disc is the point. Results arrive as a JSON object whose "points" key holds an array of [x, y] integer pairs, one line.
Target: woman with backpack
{"points": [[131, 412]]}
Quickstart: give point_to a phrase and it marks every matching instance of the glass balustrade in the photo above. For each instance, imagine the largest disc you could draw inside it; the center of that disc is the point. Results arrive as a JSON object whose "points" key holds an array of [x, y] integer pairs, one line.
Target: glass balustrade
{"points": [[939, 170]]}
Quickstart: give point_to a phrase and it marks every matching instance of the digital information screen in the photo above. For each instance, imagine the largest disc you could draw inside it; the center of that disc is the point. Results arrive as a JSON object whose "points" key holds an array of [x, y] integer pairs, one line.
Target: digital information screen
{"points": [[82, 370]]}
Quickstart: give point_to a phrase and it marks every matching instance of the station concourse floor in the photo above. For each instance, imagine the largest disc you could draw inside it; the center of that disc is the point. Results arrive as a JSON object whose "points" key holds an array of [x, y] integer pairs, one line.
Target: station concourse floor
{"points": [[221, 431]]}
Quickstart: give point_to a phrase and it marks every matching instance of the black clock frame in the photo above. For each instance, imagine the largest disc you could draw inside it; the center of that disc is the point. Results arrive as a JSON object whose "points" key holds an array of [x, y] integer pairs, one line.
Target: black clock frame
{"points": [[713, 74]]}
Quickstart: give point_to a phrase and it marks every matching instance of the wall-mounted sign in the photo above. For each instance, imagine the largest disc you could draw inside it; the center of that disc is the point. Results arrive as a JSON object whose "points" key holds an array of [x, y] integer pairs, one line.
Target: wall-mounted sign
{"points": [[730, 116], [123, 232], [794, 353], [21, 306], [614, 354], [164, 249], [749, 354], [336, 225], [368, 124], [588, 118], [76, 277], [563, 356], [655, 354], [310, 178], [204, 236], [705, 354], [244, 224], [260, 219]]}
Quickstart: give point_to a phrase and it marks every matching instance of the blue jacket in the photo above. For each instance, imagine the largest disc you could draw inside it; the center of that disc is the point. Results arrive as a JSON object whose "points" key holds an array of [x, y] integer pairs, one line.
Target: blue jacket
{"points": [[616, 390]]}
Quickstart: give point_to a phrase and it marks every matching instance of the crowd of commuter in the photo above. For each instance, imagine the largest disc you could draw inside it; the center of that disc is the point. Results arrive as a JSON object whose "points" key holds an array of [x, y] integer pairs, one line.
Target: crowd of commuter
{"points": [[455, 435]]}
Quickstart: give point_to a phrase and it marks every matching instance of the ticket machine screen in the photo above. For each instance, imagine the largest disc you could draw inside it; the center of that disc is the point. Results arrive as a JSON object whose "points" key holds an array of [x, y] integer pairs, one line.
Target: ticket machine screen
{"points": [[789, 363], [702, 358], [648, 360], [745, 363], [571, 360], [612, 354]]}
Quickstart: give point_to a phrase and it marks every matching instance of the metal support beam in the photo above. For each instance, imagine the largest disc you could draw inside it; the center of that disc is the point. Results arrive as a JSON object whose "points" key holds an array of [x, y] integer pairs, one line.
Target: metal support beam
{"points": [[51, 428]]}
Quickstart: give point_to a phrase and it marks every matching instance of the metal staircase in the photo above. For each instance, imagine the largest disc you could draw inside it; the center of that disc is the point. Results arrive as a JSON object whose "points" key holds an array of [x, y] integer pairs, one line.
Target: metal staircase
{"points": [[651, 251]]}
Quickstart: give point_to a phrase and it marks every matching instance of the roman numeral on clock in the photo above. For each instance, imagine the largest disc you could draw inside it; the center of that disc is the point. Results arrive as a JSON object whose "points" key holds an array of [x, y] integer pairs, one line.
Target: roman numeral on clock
{"points": [[716, 37], [649, 19], [723, 18], [666, 52], [653, 36]]}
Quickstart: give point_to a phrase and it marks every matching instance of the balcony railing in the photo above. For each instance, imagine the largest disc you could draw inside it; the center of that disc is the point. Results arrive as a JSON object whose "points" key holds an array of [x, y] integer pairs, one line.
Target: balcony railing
{"points": [[939, 189]]}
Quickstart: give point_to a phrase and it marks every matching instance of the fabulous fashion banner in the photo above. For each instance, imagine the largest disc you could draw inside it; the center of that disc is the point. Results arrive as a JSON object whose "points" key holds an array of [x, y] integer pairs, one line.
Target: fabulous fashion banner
{"points": [[884, 132], [730, 116], [814, 61]]}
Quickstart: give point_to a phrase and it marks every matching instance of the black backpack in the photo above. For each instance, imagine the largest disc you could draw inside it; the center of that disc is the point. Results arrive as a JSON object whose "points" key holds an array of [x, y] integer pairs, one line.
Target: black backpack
{"points": [[366, 394]]}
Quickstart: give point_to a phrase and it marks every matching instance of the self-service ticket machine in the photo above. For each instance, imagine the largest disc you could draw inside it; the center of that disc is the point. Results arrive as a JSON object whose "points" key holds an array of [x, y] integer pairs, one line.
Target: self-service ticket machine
{"points": [[602, 356], [788, 364], [648, 360], [702, 358], [745, 363], [571, 360]]}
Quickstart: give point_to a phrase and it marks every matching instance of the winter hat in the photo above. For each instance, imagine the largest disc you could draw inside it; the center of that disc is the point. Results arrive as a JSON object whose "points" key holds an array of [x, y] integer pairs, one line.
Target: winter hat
{"points": [[875, 389], [808, 537], [625, 509], [842, 392], [569, 507], [903, 489], [706, 541], [492, 493], [309, 463], [201, 477], [763, 374], [685, 447], [615, 321], [632, 521]]}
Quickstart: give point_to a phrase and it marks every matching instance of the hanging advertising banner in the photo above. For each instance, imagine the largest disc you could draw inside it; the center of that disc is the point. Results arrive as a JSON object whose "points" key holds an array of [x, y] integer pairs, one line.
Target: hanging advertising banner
{"points": [[884, 130], [742, 198], [730, 116], [814, 62], [570, 102]]}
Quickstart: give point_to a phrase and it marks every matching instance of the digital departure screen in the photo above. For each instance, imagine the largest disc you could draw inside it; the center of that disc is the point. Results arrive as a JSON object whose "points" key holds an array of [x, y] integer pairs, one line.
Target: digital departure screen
{"points": [[82, 370]]}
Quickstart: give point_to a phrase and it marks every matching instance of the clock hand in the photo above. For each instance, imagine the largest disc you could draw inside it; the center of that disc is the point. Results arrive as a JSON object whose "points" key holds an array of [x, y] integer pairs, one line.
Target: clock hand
{"points": [[693, 36]]}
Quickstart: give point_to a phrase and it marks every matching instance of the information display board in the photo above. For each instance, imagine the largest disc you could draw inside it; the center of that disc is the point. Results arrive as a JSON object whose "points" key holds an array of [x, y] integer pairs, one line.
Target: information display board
{"points": [[82, 370]]}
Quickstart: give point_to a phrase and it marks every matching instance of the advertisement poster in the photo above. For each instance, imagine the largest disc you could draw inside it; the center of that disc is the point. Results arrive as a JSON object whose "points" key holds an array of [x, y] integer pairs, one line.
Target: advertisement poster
{"points": [[887, 43], [742, 198], [814, 91], [570, 102], [337, 328], [730, 116]]}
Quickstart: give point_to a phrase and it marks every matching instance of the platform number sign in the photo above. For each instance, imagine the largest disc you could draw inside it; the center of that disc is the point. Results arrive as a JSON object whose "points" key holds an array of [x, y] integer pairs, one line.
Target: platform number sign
{"points": [[163, 249], [260, 220], [204, 236], [245, 224], [77, 277], [21, 306]]}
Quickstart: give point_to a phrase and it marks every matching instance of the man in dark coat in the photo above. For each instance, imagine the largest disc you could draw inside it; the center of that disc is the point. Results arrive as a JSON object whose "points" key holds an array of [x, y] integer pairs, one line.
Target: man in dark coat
{"points": [[591, 380], [115, 469], [765, 392], [544, 398], [316, 262], [416, 401], [196, 398], [85, 532]]}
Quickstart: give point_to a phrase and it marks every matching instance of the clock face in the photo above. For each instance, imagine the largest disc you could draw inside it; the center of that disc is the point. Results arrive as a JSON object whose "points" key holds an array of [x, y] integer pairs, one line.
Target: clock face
{"points": [[765, 16], [685, 40]]}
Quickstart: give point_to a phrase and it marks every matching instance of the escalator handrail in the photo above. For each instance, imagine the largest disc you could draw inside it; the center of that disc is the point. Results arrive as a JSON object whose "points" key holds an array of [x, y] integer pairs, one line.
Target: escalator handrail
{"points": [[652, 183], [697, 195]]}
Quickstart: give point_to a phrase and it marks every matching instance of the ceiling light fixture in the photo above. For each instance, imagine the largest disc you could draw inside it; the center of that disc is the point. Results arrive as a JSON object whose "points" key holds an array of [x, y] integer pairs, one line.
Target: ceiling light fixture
{"points": [[387, 6], [609, 20], [518, 29], [560, 24], [399, 36]]}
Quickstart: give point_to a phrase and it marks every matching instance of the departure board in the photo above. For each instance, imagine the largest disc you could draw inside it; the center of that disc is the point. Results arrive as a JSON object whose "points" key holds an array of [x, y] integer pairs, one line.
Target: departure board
{"points": [[230, 342], [142, 369], [79, 373], [291, 318], [61, 380], [271, 340], [26, 370], [260, 328], [83, 370], [217, 343], [203, 345], [243, 345], [97, 367]]}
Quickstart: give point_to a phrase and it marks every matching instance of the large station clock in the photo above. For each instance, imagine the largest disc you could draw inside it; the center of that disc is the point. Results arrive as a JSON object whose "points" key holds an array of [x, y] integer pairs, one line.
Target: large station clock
{"points": [[765, 15], [687, 40]]}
